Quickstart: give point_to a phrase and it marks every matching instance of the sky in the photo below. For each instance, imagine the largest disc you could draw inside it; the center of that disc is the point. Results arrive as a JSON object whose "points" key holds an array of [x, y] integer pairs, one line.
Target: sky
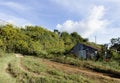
{"points": [[89, 18]]}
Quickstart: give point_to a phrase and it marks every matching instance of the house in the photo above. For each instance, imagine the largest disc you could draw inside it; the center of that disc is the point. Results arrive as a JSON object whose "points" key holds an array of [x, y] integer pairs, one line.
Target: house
{"points": [[84, 51]]}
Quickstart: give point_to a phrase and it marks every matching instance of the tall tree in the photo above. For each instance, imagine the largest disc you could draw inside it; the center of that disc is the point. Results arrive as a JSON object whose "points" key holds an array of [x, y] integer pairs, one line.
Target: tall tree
{"points": [[76, 37]]}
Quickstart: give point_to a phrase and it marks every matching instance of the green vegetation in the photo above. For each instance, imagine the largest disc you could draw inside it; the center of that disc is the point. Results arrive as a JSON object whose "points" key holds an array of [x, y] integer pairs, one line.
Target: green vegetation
{"points": [[5, 77], [33, 70], [112, 67], [103, 65], [39, 44], [30, 69], [36, 40], [37, 70]]}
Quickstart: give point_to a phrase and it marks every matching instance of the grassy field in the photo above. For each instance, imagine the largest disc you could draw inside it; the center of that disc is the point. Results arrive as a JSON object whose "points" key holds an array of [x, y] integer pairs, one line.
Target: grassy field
{"points": [[5, 77], [112, 66], [29, 69], [33, 70]]}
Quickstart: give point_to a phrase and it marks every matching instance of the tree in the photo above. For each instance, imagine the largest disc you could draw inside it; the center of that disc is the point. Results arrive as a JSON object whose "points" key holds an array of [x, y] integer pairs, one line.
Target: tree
{"points": [[8, 35], [36, 40], [85, 40], [76, 37], [115, 48], [67, 40], [115, 44]]}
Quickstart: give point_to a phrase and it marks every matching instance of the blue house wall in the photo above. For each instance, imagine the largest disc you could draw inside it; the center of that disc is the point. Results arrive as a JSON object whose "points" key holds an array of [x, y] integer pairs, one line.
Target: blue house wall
{"points": [[83, 51]]}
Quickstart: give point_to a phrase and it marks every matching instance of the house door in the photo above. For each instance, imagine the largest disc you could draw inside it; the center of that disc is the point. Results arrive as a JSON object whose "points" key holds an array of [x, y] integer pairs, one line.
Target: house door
{"points": [[82, 53]]}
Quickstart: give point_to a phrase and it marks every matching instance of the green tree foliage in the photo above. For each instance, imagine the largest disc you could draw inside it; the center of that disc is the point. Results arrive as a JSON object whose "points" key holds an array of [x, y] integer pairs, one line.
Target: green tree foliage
{"points": [[36, 40], [1, 44], [115, 48], [67, 38], [115, 44], [8, 34], [76, 37]]}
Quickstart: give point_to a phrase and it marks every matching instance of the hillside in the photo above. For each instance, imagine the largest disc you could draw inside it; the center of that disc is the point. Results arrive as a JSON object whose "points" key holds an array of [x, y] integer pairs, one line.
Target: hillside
{"points": [[59, 41], [36, 40], [34, 54], [17, 68]]}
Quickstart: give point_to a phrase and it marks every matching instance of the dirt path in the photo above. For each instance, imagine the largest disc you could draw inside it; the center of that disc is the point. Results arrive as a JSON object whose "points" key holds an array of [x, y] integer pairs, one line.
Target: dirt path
{"points": [[27, 71], [71, 69], [19, 56]]}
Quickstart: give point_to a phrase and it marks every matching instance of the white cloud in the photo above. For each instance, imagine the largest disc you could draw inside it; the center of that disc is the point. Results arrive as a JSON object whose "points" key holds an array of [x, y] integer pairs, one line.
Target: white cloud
{"points": [[100, 22], [14, 20], [104, 35], [86, 27]]}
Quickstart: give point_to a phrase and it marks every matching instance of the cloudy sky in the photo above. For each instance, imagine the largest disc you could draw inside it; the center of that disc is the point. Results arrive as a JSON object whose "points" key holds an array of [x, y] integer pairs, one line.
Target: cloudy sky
{"points": [[89, 18]]}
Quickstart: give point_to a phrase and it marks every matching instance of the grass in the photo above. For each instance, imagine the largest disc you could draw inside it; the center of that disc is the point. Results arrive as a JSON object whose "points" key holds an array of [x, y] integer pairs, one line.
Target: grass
{"points": [[4, 61], [34, 65], [112, 67], [16, 72], [34, 71], [52, 74], [31, 69]]}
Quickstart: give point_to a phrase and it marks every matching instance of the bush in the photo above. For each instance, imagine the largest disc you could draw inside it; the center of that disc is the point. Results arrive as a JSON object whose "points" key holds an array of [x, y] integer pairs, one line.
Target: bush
{"points": [[115, 55]]}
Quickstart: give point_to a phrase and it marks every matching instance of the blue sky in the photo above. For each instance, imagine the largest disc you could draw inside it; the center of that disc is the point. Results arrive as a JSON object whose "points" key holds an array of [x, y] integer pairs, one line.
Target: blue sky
{"points": [[89, 18]]}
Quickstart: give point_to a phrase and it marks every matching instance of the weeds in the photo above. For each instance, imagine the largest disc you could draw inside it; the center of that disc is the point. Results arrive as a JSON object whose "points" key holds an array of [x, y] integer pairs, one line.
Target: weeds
{"points": [[44, 73]]}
